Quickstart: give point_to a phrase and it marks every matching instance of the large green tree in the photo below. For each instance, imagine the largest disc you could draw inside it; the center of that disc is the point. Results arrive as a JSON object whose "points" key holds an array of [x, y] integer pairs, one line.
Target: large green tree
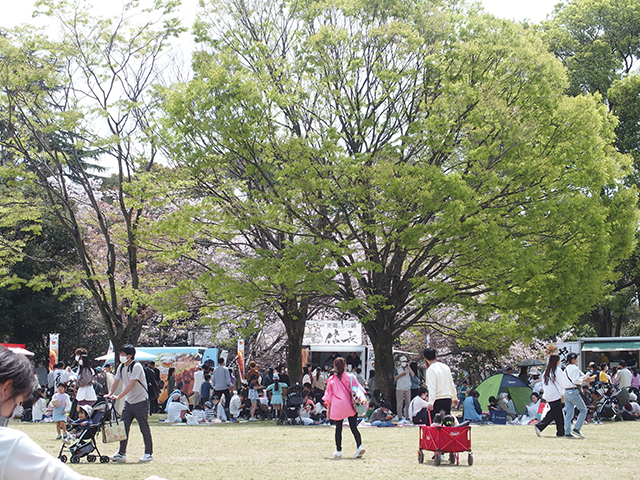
{"points": [[598, 41], [87, 96], [433, 151]]}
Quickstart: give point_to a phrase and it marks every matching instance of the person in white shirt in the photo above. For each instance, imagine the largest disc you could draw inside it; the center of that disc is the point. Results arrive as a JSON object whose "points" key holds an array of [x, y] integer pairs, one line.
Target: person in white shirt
{"points": [[572, 397], [554, 381], [177, 410], [418, 404], [198, 379], [442, 391], [623, 375], [235, 405]]}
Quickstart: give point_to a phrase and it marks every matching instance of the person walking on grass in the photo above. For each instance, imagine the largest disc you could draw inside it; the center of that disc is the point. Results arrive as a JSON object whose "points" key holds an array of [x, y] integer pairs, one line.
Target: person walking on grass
{"points": [[553, 381], [340, 406], [572, 397], [442, 391], [136, 404]]}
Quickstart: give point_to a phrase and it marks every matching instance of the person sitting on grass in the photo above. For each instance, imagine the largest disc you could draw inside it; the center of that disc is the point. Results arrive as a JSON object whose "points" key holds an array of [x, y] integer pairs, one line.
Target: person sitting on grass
{"points": [[471, 409], [374, 402], [382, 416], [418, 407], [176, 410], [197, 416], [217, 408], [235, 405]]}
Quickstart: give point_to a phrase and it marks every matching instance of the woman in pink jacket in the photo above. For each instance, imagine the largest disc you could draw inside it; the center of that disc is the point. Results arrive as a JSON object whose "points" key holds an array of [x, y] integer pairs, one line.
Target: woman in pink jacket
{"points": [[338, 398]]}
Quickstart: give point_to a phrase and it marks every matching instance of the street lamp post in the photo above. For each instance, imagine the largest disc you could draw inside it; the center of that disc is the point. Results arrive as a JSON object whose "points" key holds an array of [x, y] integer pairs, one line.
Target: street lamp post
{"points": [[79, 310]]}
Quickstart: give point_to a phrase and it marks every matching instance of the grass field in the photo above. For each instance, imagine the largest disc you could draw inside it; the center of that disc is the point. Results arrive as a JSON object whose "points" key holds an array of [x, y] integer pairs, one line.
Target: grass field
{"points": [[262, 450]]}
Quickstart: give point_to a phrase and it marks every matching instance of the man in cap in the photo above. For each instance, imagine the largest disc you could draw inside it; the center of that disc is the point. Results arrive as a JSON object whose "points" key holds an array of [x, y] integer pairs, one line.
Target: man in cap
{"points": [[402, 376], [572, 398]]}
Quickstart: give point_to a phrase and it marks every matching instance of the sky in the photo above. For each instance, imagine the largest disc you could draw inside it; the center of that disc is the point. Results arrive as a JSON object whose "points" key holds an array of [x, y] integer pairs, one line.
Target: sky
{"points": [[15, 12]]}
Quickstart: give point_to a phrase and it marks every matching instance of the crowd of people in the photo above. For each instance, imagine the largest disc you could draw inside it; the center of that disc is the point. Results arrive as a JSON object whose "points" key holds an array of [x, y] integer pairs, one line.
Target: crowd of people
{"points": [[567, 397]]}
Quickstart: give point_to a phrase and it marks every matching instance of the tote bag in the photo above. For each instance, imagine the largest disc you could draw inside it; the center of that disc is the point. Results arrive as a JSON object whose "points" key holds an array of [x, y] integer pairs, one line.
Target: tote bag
{"points": [[113, 431], [358, 396]]}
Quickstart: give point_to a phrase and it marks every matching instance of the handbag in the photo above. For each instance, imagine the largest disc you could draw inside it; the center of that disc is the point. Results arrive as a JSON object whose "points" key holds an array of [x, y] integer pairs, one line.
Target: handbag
{"points": [[358, 397], [113, 431]]}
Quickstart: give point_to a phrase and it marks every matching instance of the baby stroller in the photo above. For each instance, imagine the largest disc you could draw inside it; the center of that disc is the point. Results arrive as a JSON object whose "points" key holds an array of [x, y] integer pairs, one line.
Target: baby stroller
{"points": [[292, 403], [610, 401], [85, 443]]}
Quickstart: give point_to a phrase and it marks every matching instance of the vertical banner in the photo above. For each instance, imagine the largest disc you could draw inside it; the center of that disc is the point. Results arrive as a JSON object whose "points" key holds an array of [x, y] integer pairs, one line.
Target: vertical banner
{"points": [[53, 350], [241, 358]]}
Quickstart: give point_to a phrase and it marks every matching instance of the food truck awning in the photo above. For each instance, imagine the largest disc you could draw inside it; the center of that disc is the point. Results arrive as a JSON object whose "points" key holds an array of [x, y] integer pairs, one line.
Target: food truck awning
{"points": [[610, 346]]}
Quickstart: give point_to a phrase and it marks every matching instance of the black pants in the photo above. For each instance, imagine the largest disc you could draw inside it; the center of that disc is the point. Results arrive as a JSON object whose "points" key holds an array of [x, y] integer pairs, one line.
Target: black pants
{"points": [[353, 425], [555, 413], [140, 412], [438, 405], [227, 397]]}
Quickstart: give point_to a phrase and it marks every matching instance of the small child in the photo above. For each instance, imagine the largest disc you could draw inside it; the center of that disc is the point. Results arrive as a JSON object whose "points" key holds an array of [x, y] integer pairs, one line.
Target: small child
{"points": [[83, 421], [197, 416], [61, 404], [217, 408], [254, 390]]}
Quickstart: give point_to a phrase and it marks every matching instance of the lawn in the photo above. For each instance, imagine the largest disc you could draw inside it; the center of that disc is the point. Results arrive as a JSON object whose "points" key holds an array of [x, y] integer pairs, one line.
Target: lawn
{"points": [[263, 450]]}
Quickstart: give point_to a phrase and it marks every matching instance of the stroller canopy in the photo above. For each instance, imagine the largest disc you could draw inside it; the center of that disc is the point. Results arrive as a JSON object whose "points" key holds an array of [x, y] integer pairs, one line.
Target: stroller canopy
{"points": [[519, 391]]}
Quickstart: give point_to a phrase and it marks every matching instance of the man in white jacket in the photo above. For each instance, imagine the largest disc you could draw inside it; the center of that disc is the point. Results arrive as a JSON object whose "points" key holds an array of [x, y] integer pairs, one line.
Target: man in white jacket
{"points": [[442, 390]]}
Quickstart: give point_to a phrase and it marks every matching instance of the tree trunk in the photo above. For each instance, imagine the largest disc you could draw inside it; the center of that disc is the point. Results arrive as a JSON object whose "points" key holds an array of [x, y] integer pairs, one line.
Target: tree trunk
{"points": [[294, 317], [384, 362]]}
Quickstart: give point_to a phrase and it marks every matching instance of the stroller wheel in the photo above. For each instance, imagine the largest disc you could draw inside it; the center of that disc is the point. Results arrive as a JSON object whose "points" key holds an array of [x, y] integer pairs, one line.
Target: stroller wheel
{"points": [[75, 459], [91, 458], [420, 456], [63, 458], [104, 459]]}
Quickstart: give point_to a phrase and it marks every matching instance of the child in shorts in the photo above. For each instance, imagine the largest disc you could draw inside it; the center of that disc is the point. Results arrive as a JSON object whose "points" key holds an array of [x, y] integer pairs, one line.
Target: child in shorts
{"points": [[61, 405]]}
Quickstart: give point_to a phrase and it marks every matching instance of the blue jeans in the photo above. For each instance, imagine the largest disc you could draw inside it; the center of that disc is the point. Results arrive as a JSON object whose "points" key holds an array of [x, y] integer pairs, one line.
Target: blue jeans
{"points": [[382, 423], [572, 400]]}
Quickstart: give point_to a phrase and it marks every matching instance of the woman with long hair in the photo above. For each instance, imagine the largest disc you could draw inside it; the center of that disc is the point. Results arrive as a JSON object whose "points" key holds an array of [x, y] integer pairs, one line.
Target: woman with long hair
{"points": [[85, 395], [553, 385], [340, 406]]}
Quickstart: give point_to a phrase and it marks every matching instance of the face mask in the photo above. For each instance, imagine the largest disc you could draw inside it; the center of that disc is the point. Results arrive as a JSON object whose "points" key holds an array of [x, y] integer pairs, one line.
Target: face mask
{"points": [[4, 421], [123, 359], [77, 357], [404, 364]]}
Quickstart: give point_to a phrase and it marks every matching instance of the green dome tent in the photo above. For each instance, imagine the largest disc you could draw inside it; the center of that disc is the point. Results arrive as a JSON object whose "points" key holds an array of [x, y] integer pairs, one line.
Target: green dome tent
{"points": [[519, 391]]}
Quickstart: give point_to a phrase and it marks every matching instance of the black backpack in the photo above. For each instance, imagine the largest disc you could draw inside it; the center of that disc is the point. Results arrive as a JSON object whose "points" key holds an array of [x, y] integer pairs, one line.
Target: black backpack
{"points": [[152, 385]]}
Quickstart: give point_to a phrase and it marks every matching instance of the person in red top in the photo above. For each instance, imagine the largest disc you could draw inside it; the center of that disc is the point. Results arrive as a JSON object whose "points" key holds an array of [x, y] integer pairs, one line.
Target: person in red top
{"points": [[340, 406]]}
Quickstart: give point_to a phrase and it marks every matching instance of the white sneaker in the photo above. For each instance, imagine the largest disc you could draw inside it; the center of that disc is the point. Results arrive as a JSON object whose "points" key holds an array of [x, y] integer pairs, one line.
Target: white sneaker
{"points": [[118, 457], [253, 419], [147, 457], [337, 454], [360, 452]]}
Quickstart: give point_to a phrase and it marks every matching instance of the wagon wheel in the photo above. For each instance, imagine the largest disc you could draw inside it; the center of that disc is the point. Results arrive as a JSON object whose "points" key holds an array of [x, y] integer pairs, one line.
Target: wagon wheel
{"points": [[75, 459], [104, 459], [91, 458], [470, 459], [420, 456], [437, 459], [63, 458]]}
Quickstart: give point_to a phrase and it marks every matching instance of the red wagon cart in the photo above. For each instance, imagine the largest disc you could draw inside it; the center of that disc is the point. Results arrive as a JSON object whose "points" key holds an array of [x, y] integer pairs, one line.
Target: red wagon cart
{"points": [[440, 439]]}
